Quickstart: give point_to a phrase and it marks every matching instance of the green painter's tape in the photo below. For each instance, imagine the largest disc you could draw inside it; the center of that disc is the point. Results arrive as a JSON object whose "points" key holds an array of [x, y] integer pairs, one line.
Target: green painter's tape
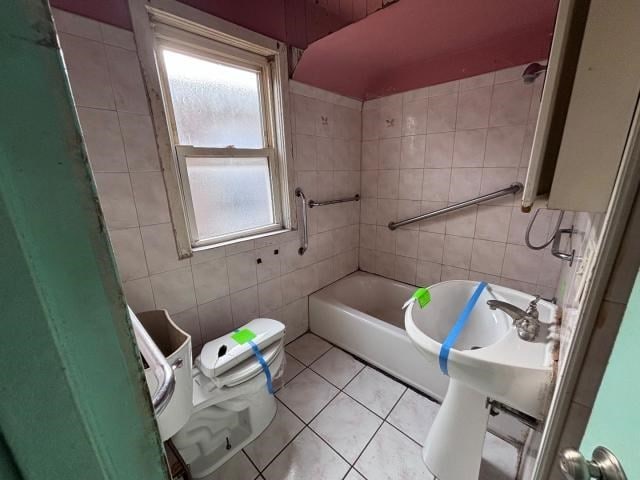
{"points": [[243, 336], [423, 296]]}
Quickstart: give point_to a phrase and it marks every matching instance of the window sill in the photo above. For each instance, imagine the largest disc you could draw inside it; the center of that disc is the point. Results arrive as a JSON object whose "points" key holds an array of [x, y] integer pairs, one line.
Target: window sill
{"points": [[236, 241]]}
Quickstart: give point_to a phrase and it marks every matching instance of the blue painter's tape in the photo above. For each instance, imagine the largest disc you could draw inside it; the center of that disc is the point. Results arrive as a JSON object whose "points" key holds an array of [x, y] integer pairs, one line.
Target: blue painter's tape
{"points": [[263, 364], [457, 328]]}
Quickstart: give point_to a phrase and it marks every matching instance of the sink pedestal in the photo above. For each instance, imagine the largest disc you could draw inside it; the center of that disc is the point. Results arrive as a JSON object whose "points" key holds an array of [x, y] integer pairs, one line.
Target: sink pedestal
{"points": [[453, 448]]}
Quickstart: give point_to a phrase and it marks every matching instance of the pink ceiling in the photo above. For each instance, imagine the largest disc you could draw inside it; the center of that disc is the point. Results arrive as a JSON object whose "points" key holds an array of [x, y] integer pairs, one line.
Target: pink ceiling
{"points": [[415, 43], [296, 22]]}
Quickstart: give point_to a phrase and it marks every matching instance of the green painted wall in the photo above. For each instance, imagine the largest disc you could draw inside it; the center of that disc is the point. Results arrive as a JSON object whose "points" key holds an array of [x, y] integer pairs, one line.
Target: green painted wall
{"points": [[615, 418], [73, 402]]}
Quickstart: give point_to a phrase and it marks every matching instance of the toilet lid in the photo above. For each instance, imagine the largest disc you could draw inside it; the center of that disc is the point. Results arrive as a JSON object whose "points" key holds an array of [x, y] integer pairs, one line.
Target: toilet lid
{"points": [[220, 356], [249, 368]]}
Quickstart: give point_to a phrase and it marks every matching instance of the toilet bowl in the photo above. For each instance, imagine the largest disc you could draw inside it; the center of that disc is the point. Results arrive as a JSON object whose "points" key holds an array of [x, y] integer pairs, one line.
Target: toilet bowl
{"points": [[230, 402]]}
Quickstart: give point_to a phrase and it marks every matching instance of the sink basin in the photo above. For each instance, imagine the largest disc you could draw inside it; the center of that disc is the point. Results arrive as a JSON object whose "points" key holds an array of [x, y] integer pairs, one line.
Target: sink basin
{"points": [[488, 362], [484, 327]]}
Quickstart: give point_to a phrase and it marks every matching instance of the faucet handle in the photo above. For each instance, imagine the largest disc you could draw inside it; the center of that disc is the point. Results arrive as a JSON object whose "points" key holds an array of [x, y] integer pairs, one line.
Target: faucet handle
{"points": [[532, 309]]}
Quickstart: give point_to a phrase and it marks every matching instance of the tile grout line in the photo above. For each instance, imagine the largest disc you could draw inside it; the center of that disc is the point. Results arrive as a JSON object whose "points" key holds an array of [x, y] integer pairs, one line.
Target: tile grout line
{"points": [[341, 390], [403, 433], [287, 444], [308, 424], [290, 410], [347, 384], [408, 387], [366, 364], [251, 462], [376, 432], [385, 419]]}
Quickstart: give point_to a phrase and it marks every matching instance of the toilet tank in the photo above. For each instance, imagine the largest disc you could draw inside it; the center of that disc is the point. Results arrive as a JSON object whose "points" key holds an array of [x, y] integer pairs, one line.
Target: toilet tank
{"points": [[175, 345]]}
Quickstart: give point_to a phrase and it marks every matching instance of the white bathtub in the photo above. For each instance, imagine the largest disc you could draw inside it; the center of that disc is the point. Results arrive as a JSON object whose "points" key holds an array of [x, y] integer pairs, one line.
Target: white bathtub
{"points": [[362, 313]]}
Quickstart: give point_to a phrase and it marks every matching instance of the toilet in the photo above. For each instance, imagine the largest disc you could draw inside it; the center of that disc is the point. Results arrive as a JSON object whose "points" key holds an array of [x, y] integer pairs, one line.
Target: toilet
{"points": [[222, 401]]}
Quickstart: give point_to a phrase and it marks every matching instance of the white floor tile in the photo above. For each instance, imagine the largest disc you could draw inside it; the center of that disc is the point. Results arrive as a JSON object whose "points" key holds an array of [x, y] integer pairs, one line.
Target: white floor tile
{"points": [[337, 366], [308, 348], [392, 456], [354, 475], [499, 459], [346, 425], [292, 368], [414, 415], [307, 457], [281, 431], [307, 394], [237, 467], [376, 391]]}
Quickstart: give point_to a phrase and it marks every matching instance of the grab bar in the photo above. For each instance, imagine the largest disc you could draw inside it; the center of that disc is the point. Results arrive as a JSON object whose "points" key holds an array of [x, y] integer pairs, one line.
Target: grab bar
{"points": [[305, 230], [513, 188], [158, 364], [313, 203]]}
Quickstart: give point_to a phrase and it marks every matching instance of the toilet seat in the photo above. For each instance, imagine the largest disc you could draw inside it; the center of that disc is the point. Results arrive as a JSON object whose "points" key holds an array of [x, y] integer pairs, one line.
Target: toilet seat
{"points": [[249, 368], [207, 393], [238, 363]]}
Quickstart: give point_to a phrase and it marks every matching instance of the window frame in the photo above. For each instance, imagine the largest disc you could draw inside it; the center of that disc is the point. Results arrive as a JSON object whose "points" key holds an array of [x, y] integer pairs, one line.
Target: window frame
{"points": [[210, 50], [160, 24], [184, 151]]}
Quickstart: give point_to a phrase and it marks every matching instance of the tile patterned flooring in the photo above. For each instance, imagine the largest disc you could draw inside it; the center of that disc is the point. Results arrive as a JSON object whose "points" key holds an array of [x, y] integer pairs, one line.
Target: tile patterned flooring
{"points": [[339, 419]]}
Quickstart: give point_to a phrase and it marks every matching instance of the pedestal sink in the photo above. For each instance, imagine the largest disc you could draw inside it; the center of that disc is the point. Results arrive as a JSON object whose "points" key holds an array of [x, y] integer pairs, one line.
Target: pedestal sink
{"points": [[488, 362]]}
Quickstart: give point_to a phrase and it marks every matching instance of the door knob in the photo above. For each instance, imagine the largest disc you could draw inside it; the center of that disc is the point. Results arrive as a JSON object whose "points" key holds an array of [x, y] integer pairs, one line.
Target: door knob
{"points": [[603, 465]]}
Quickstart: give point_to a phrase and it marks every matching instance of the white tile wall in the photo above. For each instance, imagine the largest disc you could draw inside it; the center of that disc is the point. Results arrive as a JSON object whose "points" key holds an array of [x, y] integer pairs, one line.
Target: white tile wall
{"points": [[589, 229], [221, 288], [404, 154], [428, 148]]}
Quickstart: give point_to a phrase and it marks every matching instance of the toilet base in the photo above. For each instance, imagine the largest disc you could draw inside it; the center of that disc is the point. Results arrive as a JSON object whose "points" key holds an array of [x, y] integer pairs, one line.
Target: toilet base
{"points": [[453, 448], [217, 432]]}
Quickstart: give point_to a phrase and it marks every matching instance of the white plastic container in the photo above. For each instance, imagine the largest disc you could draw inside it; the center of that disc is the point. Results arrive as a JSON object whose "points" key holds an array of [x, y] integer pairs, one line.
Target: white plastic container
{"points": [[175, 345]]}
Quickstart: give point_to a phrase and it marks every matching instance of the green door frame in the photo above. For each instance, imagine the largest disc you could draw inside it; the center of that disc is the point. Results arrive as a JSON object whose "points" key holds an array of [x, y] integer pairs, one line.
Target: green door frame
{"points": [[73, 400]]}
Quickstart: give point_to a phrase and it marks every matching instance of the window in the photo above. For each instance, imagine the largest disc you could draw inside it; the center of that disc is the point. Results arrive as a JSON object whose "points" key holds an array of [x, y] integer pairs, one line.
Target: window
{"points": [[223, 100]]}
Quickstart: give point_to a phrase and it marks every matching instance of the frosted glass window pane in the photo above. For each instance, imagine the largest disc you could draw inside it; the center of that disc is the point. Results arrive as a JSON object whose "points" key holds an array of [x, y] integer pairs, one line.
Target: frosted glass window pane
{"points": [[214, 105], [229, 194]]}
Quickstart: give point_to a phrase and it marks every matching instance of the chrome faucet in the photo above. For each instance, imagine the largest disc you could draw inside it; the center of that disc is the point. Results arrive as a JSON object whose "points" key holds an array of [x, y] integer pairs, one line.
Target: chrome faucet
{"points": [[525, 321]]}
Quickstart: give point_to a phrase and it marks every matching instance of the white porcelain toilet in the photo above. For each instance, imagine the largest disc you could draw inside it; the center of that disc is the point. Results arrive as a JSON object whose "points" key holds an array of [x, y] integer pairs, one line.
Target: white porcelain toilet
{"points": [[225, 402]]}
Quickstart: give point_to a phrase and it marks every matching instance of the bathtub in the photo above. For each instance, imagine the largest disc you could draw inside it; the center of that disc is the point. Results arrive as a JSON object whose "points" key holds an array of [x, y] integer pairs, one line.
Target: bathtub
{"points": [[362, 314]]}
